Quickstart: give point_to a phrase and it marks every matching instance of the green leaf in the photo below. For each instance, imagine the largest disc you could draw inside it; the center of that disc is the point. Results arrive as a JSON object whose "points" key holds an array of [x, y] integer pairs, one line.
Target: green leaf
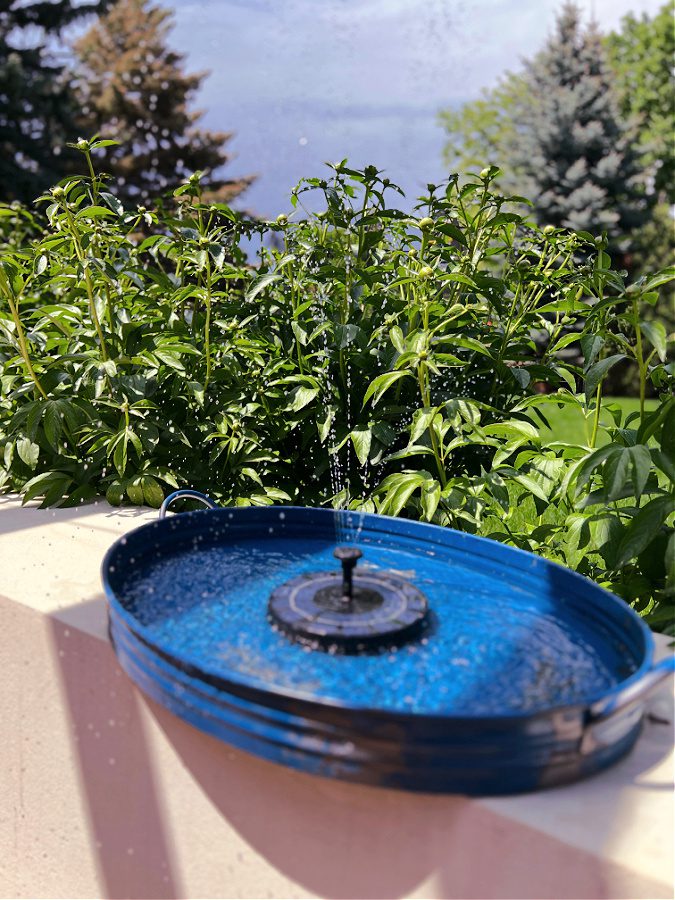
{"points": [[384, 433], [117, 207], [261, 284], [615, 473], [28, 451], [104, 143], [277, 494], [115, 494], [197, 391], [135, 492], [655, 333], [521, 375], [152, 492], [430, 497], [668, 433], [120, 455], [641, 462], [399, 489], [348, 334], [515, 428], [665, 462], [325, 425], [361, 439], [51, 422], [591, 345], [577, 531], [642, 528], [38, 485], [301, 396], [94, 212], [531, 485], [670, 561], [381, 384], [458, 278], [421, 422], [665, 276], [397, 339], [587, 466], [301, 335], [652, 421], [597, 372], [453, 232]]}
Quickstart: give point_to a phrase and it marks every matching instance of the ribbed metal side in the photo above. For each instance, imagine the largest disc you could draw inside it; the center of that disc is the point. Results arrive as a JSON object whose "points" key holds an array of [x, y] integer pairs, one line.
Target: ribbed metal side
{"points": [[422, 753]]}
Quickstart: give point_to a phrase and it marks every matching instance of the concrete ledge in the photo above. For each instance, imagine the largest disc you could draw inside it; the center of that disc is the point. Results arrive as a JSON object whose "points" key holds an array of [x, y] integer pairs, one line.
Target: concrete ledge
{"points": [[107, 794]]}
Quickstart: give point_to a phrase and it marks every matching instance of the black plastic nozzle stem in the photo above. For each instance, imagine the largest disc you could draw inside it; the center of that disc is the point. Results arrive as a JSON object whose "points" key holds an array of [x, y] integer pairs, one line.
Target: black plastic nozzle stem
{"points": [[348, 556]]}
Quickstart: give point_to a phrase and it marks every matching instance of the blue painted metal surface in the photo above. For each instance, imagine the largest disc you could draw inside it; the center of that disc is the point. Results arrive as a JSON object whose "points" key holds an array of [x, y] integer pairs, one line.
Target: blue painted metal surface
{"points": [[528, 675]]}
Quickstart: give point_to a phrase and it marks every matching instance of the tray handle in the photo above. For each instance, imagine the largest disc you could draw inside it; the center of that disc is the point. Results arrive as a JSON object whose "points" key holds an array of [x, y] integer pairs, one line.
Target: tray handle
{"points": [[603, 709], [609, 719], [186, 494]]}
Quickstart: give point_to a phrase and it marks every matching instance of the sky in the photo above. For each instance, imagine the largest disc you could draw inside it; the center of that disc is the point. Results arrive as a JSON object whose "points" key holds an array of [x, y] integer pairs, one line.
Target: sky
{"points": [[300, 82]]}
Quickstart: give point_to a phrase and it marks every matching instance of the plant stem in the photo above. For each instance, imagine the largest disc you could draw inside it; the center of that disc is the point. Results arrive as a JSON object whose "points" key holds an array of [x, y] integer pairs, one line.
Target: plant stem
{"points": [[21, 337], [93, 313], [363, 213], [422, 380], [642, 367], [87, 280], [94, 181], [207, 323], [596, 417]]}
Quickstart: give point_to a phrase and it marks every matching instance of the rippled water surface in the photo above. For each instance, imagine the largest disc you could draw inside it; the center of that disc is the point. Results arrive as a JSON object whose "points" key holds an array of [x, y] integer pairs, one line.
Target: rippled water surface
{"points": [[491, 648]]}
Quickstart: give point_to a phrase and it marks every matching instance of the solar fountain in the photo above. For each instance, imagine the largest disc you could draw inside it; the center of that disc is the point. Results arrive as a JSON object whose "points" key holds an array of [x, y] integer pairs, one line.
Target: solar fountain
{"points": [[379, 650]]}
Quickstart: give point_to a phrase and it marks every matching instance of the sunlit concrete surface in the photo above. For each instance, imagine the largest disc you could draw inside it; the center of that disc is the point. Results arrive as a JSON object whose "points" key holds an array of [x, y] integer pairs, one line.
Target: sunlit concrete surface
{"points": [[105, 794]]}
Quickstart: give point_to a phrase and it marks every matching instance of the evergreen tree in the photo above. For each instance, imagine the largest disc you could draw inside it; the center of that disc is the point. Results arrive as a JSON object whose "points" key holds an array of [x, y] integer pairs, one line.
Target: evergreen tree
{"points": [[132, 87], [641, 56], [575, 154], [557, 131], [37, 108]]}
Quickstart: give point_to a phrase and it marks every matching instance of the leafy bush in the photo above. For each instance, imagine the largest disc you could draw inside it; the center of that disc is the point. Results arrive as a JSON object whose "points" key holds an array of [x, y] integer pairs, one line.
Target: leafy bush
{"points": [[373, 358]]}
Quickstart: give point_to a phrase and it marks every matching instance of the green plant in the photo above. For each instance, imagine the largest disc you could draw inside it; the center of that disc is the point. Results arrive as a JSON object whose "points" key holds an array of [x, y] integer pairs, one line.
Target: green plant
{"points": [[374, 358]]}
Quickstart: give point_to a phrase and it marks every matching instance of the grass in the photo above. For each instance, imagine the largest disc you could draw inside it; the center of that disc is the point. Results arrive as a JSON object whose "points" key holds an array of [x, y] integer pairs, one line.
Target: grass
{"points": [[568, 423]]}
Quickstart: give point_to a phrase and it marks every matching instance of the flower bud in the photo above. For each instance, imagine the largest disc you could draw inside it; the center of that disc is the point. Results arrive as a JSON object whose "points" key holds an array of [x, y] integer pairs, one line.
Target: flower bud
{"points": [[426, 222], [282, 219], [426, 272], [549, 229]]}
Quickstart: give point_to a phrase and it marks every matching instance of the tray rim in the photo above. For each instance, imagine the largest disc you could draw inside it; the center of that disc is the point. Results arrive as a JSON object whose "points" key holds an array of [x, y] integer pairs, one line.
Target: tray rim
{"points": [[265, 693]]}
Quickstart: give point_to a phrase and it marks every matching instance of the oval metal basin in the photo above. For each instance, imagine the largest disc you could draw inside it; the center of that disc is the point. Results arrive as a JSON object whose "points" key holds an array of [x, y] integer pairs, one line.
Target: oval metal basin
{"points": [[525, 674]]}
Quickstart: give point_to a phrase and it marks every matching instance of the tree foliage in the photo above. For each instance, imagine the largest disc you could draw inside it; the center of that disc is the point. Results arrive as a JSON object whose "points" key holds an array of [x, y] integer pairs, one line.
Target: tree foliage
{"points": [[557, 130], [482, 132], [572, 146], [37, 107], [131, 83], [641, 56]]}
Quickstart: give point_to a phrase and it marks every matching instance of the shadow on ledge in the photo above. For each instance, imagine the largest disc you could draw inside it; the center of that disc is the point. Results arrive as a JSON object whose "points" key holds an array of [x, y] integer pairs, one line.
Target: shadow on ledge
{"points": [[332, 839]]}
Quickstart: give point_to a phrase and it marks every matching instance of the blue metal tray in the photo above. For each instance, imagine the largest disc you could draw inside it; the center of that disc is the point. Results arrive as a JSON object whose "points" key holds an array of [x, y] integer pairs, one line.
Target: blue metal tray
{"points": [[526, 674]]}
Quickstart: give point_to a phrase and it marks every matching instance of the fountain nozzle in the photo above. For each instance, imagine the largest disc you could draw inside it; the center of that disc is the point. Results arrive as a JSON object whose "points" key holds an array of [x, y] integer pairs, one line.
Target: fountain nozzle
{"points": [[348, 556]]}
